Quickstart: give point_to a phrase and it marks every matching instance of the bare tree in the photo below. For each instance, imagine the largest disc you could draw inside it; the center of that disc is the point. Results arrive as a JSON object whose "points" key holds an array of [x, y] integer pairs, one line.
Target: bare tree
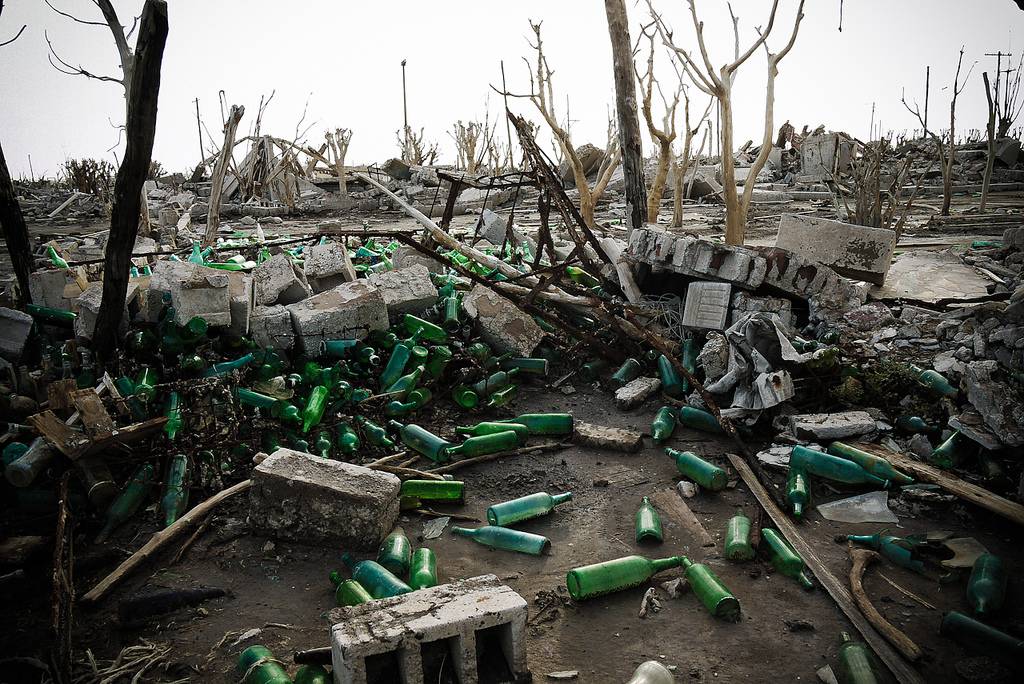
{"points": [[993, 107], [542, 95], [946, 148], [471, 140], [1009, 107], [662, 137], [418, 150], [339, 141], [681, 163], [220, 171], [719, 85]]}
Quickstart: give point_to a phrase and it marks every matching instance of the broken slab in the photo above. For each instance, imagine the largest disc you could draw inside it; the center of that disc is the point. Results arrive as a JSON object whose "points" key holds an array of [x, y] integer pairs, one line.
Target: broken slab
{"points": [[349, 311], [830, 426], [195, 291], [327, 266], [492, 228], [242, 300], [271, 326], [602, 437], [707, 305], [15, 328], [503, 325], [744, 304], [88, 306], [476, 624], [995, 401], [407, 290], [931, 277], [636, 392], [57, 288], [405, 256], [278, 281], [304, 498], [858, 252]]}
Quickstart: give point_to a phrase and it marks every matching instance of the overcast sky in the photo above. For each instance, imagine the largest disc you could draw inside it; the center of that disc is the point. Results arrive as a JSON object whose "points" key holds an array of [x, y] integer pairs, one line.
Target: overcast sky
{"points": [[344, 57]]}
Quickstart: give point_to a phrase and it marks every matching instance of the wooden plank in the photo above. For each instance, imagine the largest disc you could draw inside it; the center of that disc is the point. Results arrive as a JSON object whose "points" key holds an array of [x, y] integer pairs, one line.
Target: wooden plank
{"points": [[59, 394], [122, 436], [836, 589], [669, 501], [67, 440], [92, 412]]}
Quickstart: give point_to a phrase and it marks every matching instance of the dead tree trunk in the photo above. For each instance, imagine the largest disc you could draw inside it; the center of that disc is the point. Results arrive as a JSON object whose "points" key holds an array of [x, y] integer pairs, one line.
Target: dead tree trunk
{"points": [[625, 105], [220, 170], [140, 128], [991, 130], [15, 233]]}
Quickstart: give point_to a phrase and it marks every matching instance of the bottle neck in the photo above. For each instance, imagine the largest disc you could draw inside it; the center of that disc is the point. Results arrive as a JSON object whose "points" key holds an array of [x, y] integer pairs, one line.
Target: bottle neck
{"points": [[562, 498], [660, 564], [464, 531]]}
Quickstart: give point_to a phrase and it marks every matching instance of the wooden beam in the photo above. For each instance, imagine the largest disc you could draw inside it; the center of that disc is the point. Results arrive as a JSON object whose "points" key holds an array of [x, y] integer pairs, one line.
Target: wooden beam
{"points": [[673, 505]]}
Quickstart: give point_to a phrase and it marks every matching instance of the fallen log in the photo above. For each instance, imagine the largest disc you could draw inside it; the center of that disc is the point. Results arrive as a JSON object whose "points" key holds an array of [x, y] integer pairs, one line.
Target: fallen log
{"points": [[862, 558]]}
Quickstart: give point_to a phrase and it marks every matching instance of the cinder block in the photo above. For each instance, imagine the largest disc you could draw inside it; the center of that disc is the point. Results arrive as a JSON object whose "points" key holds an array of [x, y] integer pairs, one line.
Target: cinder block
{"points": [[707, 305], [271, 326], [57, 288], [503, 325], [88, 306], [242, 300], [349, 311], [304, 498], [827, 426], [859, 252], [195, 291], [278, 281], [407, 290], [15, 327], [327, 266], [744, 303], [474, 629], [636, 392]]}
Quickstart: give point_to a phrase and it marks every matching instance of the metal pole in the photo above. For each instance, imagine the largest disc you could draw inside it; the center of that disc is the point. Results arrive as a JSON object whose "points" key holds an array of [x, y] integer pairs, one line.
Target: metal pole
{"points": [[508, 127], [199, 128], [871, 128], [927, 83], [405, 115], [31, 171]]}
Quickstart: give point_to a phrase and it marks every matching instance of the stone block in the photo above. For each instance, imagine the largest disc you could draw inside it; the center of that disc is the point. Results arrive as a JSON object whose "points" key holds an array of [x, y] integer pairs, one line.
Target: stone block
{"points": [[405, 256], [829, 426], [475, 625], [744, 303], [602, 437], [304, 498], [271, 326], [636, 392], [503, 325], [57, 288], [822, 154], [859, 252], [15, 327], [278, 281], [195, 291], [88, 306], [349, 311], [997, 403], [407, 290], [492, 228], [242, 300], [327, 266], [707, 305]]}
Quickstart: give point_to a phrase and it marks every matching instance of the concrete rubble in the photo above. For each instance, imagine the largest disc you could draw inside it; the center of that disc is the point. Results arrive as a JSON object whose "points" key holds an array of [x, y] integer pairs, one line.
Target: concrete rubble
{"points": [[406, 290], [502, 324], [349, 311]]}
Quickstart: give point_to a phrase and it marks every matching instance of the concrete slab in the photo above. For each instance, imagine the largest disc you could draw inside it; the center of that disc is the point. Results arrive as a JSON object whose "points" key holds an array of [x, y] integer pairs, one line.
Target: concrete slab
{"points": [[407, 290], [327, 266], [859, 252], [349, 311], [278, 281], [195, 291], [271, 326], [503, 325], [931, 277], [57, 288], [242, 300], [829, 426]]}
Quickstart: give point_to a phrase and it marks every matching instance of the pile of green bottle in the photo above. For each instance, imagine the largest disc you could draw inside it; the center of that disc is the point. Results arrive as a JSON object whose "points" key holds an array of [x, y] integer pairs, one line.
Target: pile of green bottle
{"points": [[397, 570]]}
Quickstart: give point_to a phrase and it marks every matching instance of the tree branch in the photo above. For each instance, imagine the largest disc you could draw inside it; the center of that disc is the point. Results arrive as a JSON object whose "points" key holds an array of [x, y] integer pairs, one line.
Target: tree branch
{"points": [[72, 17], [73, 70]]}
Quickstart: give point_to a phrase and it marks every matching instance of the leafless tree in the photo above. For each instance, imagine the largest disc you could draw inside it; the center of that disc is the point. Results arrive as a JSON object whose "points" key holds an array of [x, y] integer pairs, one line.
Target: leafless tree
{"points": [[338, 141], [993, 110], [16, 35], [681, 164], [718, 83], [946, 148], [663, 137], [1009, 107], [471, 143], [419, 151]]}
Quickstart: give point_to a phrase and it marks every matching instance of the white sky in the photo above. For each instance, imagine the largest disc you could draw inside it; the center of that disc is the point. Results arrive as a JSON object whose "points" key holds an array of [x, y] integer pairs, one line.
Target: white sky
{"points": [[344, 56]]}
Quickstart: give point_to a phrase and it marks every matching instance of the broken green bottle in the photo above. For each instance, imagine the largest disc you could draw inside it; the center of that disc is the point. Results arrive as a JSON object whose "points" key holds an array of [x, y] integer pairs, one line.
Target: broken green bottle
{"points": [[312, 674], [375, 434], [980, 638], [951, 452], [395, 552], [832, 467], [494, 382], [648, 523], [506, 538], [737, 539], [784, 558], [611, 576], [423, 569], [349, 592], [525, 508], [896, 549], [437, 360], [707, 475]]}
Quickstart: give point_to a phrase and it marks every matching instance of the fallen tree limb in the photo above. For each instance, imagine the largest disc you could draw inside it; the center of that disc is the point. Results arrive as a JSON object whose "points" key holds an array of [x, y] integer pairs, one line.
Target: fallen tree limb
{"points": [[862, 558], [162, 539]]}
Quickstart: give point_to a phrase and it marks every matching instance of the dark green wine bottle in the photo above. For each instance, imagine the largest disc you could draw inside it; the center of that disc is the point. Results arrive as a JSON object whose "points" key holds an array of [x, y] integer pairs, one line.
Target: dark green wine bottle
{"points": [[525, 508], [312, 674], [737, 539], [426, 329], [876, 465], [832, 467], [395, 553], [697, 419], [896, 549], [648, 523], [128, 501], [257, 665], [175, 499], [544, 423], [491, 427], [405, 384], [933, 380], [798, 491], [494, 382], [465, 397], [664, 424], [484, 444], [506, 538], [784, 558], [981, 638], [375, 434], [526, 365], [615, 575], [855, 662], [315, 405], [715, 596], [986, 588], [423, 570], [173, 415], [442, 491], [437, 361], [592, 370], [671, 383], [400, 354], [375, 578], [705, 474], [422, 441], [950, 453], [628, 371], [350, 593]]}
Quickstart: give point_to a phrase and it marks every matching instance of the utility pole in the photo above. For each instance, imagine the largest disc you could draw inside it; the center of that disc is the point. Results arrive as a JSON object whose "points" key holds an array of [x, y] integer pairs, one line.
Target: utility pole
{"points": [[405, 115], [199, 128], [927, 83], [31, 171], [871, 128]]}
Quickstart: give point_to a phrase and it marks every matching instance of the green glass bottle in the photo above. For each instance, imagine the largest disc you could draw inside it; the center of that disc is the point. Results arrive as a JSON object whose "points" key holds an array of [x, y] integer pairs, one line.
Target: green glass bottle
{"points": [[832, 467], [525, 508], [323, 446], [173, 414], [192, 363], [398, 408], [784, 558], [452, 305], [465, 397], [581, 277], [225, 367], [491, 427], [616, 575], [442, 491], [689, 360], [400, 354], [426, 329], [980, 638], [715, 596], [628, 371], [737, 539], [257, 665], [592, 370], [315, 405], [395, 553], [405, 384], [855, 662], [506, 538], [347, 440], [128, 501], [375, 578], [22, 471], [494, 382], [145, 384], [950, 453], [56, 260], [986, 588], [422, 441], [47, 314], [933, 380], [526, 365], [350, 593], [664, 424], [671, 383], [798, 491], [423, 570], [484, 444], [696, 419], [312, 674], [479, 351], [648, 523], [175, 499], [705, 474], [913, 425], [896, 549], [375, 434], [876, 465], [437, 361], [544, 423], [502, 397]]}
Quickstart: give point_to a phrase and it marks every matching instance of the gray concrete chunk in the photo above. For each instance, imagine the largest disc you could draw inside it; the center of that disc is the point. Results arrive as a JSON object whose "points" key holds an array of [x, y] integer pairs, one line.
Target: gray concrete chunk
{"points": [[57, 288], [707, 305], [407, 290], [195, 291], [271, 326], [15, 327], [503, 325], [602, 437], [636, 392], [349, 311], [304, 498], [859, 252], [278, 281], [829, 426], [327, 266], [88, 307]]}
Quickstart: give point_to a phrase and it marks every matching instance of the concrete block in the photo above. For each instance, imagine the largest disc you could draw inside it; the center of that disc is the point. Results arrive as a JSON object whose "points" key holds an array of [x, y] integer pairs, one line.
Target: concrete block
{"points": [[15, 327], [327, 266], [57, 288], [602, 437], [744, 303], [829, 426], [707, 305], [242, 300], [195, 291], [405, 256], [821, 155], [304, 498], [349, 311], [636, 392], [492, 228], [859, 252], [474, 629], [278, 281], [271, 326], [407, 290], [88, 306], [502, 324]]}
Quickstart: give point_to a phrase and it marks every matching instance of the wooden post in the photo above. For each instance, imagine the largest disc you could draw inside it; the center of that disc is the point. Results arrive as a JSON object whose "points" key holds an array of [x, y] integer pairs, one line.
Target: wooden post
{"points": [[15, 232], [625, 106], [220, 170], [140, 128], [927, 88]]}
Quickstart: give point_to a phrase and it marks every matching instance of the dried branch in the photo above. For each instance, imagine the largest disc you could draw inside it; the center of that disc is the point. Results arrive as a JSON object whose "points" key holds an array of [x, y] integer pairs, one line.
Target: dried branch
{"points": [[73, 17], [16, 35], [66, 68]]}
